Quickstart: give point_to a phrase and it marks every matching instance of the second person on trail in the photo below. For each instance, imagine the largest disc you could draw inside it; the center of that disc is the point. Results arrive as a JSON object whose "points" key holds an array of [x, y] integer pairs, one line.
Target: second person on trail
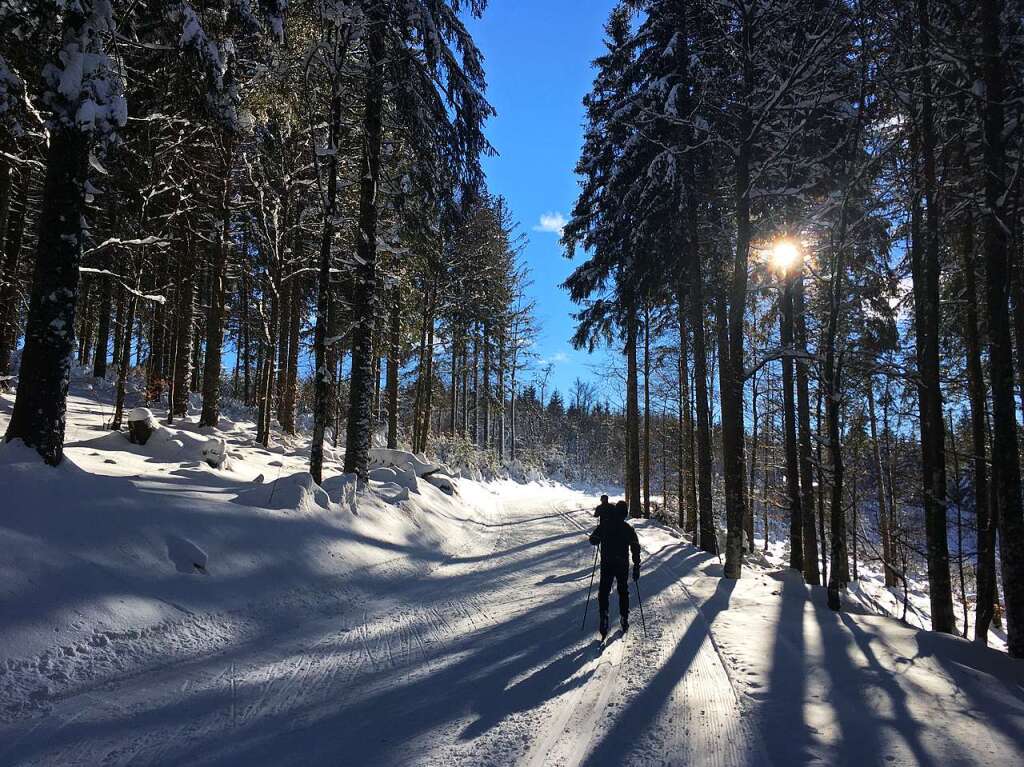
{"points": [[617, 540], [605, 511]]}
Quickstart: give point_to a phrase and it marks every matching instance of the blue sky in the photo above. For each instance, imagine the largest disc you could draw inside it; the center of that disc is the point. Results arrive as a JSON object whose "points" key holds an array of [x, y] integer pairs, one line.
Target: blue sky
{"points": [[538, 57]]}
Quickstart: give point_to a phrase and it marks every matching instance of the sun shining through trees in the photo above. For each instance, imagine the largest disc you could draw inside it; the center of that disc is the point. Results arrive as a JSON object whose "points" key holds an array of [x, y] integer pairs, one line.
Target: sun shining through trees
{"points": [[785, 256], [293, 474], [800, 396]]}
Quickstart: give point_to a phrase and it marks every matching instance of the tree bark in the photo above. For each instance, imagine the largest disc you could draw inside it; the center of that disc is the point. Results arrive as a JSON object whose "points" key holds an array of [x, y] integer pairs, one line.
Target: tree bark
{"points": [[215, 316], [360, 416], [687, 473], [796, 523], [1006, 492], [40, 407], [986, 571], [394, 362], [647, 409], [323, 375], [732, 435], [291, 389], [706, 520], [884, 516], [803, 406], [731, 355], [283, 337], [486, 382], [124, 364], [633, 487], [265, 376], [925, 265], [12, 266], [820, 471]]}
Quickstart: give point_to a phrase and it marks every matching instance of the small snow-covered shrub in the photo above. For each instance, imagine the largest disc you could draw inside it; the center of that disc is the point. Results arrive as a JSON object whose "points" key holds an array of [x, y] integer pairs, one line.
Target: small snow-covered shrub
{"points": [[215, 452]]}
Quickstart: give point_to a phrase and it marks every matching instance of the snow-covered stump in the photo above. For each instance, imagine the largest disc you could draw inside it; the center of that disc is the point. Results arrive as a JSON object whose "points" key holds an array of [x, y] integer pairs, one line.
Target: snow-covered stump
{"points": [[215, 453], [141, 425]]}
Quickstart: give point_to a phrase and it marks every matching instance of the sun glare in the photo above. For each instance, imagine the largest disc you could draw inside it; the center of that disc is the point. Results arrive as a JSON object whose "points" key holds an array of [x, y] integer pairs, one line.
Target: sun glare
{"points": [[785, 255]]}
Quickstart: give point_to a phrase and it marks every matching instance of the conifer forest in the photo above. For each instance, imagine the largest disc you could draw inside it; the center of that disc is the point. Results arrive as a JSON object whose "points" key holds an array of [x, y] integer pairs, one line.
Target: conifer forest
{"points": [[251, 244]]}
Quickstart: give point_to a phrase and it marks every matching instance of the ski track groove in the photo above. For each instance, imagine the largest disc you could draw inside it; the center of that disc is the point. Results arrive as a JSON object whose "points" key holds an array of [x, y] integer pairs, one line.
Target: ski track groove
{"points": [[296, 679]]}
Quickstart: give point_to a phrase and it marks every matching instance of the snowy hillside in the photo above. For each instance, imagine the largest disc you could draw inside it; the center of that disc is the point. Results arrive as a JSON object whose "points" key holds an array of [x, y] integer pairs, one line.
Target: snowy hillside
{"points": [[155, 610]]}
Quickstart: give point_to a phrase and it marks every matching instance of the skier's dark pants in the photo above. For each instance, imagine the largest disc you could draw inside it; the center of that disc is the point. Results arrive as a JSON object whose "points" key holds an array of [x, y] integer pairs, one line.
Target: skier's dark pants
{"points": [[610, 573]]}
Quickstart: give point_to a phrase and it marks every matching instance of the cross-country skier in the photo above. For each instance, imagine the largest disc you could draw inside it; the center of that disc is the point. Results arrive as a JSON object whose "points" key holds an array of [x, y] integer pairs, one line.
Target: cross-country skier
{"points": [[617, 539], [605, 511]]}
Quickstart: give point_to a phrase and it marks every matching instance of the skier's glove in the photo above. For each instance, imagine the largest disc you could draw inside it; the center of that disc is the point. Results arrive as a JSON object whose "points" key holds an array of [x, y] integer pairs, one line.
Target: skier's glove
{"points": [[636, 571]]}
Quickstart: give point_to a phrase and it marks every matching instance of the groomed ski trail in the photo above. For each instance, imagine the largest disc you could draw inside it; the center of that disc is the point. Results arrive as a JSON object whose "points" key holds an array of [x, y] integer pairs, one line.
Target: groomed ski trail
{"points": [[478, 659], [660, 699]]}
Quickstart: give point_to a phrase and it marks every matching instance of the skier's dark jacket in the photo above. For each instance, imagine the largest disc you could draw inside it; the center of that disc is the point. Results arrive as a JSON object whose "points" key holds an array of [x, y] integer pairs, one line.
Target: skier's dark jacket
{"points": [[617, 538], [605, 511]]}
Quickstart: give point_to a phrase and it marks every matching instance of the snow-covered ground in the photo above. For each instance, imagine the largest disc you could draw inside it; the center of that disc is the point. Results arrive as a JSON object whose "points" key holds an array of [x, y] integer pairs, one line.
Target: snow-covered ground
{"points": [[869, 593], [429, 631]]}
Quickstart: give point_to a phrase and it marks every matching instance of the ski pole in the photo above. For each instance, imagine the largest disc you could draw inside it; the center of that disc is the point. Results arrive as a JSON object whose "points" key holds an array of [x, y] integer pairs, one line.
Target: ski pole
{"points": [[591, 586], [636, 582]]}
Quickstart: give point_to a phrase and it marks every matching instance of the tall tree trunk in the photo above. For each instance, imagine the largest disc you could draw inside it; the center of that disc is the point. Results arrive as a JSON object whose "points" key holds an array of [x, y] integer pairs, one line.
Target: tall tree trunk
{"points": [[124, 364], [291, 389], [1006, 492], [732, 435], [39, 412], [693, 271], [475, 432], [186, 332], [839, 576], [6, 187], [820, 470], [502, 361], [215, 316], [394, 362], [796, 523], [986, 572], [265, 377], [512, 404], [323, 376], [245, 352], [687, 473], [419, 400], [360, 417], [429, 391], [706, 520], [283, 337], [731, 356], [925, 265], [99, 366], [486, 414], [884, 517], [455, 383], [632, 419], [465, 386], [748, 524], [12, 266], [85, 311], [803, 406], [647, 409]]}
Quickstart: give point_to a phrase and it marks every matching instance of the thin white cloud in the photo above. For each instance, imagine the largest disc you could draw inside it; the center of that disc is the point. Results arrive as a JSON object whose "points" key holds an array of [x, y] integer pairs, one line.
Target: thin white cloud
{"points": [[551, 222], [554, 359]]}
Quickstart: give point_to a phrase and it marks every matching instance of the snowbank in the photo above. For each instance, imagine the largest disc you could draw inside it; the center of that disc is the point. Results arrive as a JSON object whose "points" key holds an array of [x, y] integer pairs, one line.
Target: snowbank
{"points": [[123, 541]]}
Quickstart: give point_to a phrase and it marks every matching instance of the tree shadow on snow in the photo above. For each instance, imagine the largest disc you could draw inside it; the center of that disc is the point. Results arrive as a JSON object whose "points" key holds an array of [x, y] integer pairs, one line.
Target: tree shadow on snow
{"points": [[618, 742]]}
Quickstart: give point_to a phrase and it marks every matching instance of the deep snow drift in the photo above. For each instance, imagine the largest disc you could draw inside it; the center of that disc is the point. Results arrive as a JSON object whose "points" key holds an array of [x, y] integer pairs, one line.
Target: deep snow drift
{"points": [[156, 610]]}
